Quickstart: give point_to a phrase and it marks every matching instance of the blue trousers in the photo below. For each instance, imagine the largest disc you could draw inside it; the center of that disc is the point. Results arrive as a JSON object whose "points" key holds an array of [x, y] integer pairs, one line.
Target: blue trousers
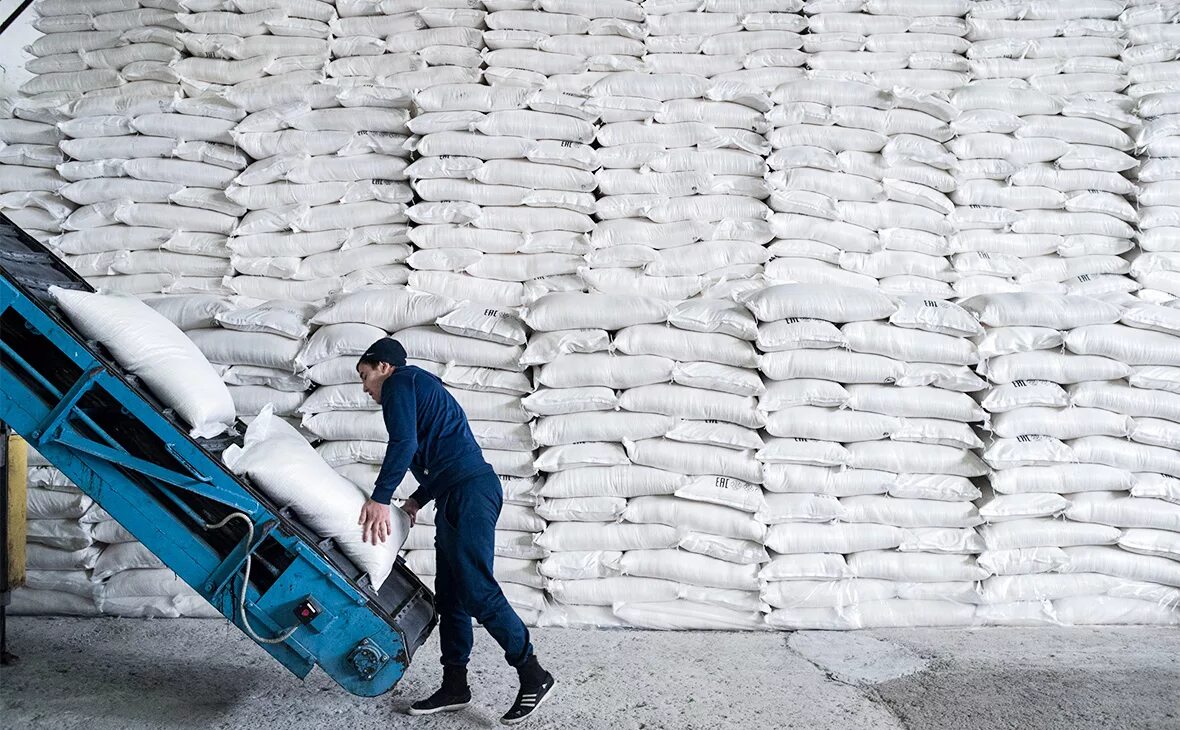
{"points": [[465, 537]]}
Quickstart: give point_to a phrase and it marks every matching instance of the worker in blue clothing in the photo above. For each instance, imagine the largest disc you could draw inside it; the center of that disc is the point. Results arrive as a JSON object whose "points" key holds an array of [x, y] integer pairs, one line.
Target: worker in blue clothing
{"points": [[430, 437]]}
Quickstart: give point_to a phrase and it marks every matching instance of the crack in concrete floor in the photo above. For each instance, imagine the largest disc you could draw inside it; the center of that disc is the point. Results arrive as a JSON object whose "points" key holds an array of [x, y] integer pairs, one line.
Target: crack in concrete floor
{"points": [[858, 661]]}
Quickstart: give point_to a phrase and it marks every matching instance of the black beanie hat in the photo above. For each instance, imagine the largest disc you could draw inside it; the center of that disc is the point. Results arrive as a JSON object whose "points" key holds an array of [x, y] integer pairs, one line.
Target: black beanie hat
{"points": [[385, 349]]}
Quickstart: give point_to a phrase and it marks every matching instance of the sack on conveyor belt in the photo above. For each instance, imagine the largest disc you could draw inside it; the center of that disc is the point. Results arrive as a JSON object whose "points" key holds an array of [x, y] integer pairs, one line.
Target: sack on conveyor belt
{"points": [[152, 348], [285, 466]]}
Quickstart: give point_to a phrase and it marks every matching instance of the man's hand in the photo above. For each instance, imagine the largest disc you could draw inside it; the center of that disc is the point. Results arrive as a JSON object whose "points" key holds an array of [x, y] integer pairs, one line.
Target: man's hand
{"points": [[375, 523], [411, 507]]}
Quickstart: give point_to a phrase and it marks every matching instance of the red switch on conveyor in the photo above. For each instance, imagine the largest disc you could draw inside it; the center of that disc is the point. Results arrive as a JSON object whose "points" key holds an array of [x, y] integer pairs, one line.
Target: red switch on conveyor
{"points": [[307, 610]]}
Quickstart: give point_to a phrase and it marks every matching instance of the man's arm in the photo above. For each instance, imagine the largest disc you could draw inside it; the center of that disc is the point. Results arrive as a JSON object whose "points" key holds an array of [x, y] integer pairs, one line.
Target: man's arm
{"points": [[399, 408]]}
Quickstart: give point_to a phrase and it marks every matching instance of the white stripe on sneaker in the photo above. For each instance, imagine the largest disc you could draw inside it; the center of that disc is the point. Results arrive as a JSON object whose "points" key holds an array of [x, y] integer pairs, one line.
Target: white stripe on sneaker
{"points": [[528, 706]]}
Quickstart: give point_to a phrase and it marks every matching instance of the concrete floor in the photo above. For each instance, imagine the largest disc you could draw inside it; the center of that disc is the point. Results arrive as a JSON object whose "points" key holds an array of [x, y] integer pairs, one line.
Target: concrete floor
{"points": [[95, 674]]}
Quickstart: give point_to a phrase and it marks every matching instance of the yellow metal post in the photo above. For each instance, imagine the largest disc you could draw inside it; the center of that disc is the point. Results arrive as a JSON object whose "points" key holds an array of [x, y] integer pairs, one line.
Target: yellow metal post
{"points": [[14, 512], [17, 512]]}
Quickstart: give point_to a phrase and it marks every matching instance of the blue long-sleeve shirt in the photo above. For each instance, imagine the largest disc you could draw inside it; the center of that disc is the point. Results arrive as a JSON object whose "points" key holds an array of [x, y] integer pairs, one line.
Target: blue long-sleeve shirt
{"points": [[428, 436]]}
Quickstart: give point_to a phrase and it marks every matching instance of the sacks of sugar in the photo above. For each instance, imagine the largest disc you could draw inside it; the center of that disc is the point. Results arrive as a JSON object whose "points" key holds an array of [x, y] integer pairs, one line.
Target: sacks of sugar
{"points": [[30, 601], [758, 50], [581, 432], [416, 48], [29, 182], [688, 443], [49, 504], [1042, 147], [905, 44], [151, 592], [318, 276], [253, 386], [869, 420], [154, 152], [681, 200], [516, 166], [505, 177], [588, 476], [277, 458], [1150, 65], [859, 186], [152, 348], [1057, 454], [533, 48], [356, 163], [529, 205]]}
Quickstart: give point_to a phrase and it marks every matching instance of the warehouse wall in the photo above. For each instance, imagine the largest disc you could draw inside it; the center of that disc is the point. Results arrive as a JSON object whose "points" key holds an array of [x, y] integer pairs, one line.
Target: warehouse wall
{"points": [[693, 270]]}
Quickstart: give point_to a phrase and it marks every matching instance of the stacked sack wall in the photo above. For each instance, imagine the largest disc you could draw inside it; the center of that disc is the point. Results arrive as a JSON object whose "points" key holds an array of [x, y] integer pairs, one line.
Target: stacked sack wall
{"points": [[1061, 408], [1048, 137], [868, 364], [1152, 56], [691, 270], [83, 563], [504, 172]]}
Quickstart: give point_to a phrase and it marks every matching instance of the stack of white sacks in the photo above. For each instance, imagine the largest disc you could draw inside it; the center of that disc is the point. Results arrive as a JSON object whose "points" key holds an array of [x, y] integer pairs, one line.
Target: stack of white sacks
{"points": [[1088, 432], [29, 157], [869, 465], [1153, 60], [254, 346], [504, 176], [561, 44], [752, 43], [860, 172], [88, 48], [859, 147], [82, 563], [91, 68], [604, 349], [148, 168], [61, 549], [869, 410], [504, 179], [277, 326], [408, 44], [324, 188], [1042, 147], [29, 153], [856, 206], [680, 204], [148, 175], [647, 448], [906, 44], [680, 196], [622, 395]]}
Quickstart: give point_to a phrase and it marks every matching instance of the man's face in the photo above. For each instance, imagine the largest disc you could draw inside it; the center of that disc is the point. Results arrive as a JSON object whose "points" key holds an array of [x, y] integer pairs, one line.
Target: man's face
{"points": [[373, 377]]}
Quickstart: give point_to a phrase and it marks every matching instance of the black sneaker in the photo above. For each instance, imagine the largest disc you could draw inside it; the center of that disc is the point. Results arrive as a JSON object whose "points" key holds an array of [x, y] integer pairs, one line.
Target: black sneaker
{"points": [[444, 700], [528, 699]]}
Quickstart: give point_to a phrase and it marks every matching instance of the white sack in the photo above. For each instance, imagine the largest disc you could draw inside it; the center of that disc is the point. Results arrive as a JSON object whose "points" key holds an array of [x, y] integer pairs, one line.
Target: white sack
{"points": [[151, 347], [277, 458]]}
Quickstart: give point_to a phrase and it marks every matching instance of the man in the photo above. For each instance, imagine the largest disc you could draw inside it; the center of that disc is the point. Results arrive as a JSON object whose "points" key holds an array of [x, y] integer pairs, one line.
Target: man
{"points": [[429, 436]]}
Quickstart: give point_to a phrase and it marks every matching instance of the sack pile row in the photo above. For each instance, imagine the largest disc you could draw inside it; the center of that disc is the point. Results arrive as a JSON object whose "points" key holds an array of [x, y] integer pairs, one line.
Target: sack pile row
{"points": [[796, 314], [80, 562]]}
